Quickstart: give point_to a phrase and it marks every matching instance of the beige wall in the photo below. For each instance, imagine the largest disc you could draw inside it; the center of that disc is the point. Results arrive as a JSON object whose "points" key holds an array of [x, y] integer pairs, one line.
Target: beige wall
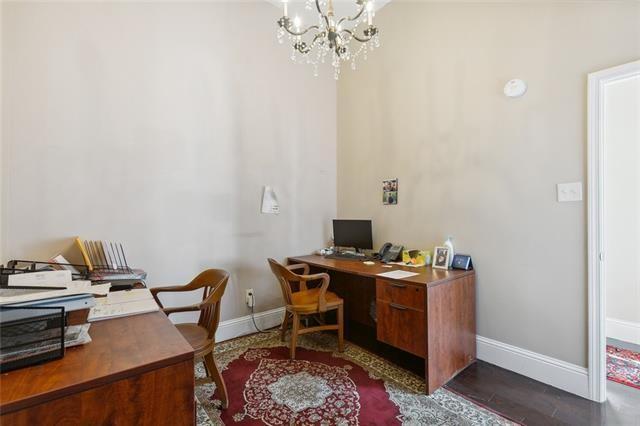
{"points": [[622, 200], [156, 124], [428, 109]]}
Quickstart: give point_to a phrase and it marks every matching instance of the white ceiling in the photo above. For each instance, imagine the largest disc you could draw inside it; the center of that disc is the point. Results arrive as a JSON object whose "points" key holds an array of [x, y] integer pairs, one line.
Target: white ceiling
{"points": [[342, 8]]}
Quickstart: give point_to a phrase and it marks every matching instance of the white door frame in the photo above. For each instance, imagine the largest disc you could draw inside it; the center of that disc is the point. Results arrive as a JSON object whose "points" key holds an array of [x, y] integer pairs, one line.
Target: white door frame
{"points": [[595, 173]]}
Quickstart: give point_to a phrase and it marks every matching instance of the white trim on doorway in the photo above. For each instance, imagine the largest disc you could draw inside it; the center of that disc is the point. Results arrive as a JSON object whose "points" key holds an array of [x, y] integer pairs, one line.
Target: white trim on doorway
{"points": [[595, 164]]}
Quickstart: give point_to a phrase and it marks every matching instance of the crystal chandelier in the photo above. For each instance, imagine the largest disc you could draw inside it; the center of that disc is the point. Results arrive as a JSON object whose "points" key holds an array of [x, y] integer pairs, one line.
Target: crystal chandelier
{"points": [[330, 36]]}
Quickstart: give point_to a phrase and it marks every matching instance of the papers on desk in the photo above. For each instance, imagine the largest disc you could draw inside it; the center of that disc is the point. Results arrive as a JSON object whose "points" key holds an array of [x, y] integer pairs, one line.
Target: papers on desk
{"points": [[122, 304], [13, 294], [410, 265], [87, 287], [75, 335], [40, 279], [398, 274]]}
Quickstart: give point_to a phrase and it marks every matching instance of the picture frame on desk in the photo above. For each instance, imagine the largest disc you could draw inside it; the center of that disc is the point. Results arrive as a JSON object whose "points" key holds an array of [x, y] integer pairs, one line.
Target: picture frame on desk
{"points": [[441, 257]]}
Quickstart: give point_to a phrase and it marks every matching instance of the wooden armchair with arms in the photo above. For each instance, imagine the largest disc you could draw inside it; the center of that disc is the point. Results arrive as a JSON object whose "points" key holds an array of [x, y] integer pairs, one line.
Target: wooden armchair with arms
{"points": [[306, 301], [201, 335]]}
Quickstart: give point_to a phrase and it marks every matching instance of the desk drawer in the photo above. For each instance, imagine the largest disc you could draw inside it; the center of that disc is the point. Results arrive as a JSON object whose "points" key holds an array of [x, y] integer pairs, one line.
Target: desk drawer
{"points": [[403, 294], [401, 326]]}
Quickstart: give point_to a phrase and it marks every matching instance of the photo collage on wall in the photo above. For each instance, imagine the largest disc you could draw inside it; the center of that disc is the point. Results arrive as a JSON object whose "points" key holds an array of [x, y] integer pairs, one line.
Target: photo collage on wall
{"points": [[390, 191]]}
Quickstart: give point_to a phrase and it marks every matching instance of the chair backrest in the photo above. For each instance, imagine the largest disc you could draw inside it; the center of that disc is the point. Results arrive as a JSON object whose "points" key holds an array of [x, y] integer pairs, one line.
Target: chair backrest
{"points": [[285, 278], [214, 282]]}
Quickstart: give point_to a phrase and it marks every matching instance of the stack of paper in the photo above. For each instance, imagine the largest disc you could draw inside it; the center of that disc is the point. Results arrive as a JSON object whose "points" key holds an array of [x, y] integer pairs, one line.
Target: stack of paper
{"points": [[123, 303], [40, 279], [398, 274], [76, 335], [57, 280], [37, 286]]}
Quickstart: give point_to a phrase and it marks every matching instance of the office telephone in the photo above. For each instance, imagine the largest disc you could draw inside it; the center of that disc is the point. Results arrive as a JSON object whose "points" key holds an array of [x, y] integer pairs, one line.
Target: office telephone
{"points": [[389, 252]]}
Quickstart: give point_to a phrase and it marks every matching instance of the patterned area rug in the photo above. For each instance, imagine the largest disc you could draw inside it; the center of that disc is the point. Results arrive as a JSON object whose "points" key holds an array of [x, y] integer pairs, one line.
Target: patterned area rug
{"points": [[623, 366], [323, 388]]}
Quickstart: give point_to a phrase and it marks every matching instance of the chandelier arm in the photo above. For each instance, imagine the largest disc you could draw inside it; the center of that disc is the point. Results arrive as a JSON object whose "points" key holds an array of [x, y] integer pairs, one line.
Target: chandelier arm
{"points": [[312, 44], [355, 17], [324, 16], [299, 33], [356, 37], [317, 37]]}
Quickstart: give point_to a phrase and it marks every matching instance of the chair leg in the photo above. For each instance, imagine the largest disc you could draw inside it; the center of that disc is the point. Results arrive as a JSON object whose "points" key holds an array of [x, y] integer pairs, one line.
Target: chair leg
{"points": [[340, 328], [294, 336], [206, 369], [217, 378], [285, 325]]}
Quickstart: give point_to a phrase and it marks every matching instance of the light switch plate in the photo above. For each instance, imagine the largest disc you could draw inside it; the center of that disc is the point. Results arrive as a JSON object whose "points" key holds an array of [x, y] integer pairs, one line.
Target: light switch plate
{"points": [[570, 192]]}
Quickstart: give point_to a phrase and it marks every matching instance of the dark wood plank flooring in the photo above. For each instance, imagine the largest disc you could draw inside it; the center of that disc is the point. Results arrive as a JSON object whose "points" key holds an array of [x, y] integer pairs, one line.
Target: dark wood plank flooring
{"points": [[533, 403]]}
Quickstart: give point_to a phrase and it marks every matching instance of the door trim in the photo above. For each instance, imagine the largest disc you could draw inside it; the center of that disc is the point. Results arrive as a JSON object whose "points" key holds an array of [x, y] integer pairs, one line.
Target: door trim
{"points": [[598, 81]]}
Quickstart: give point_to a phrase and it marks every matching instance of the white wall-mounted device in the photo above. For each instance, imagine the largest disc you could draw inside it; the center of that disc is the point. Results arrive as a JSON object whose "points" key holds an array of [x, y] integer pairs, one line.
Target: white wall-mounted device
{"points": [[515, 88]]}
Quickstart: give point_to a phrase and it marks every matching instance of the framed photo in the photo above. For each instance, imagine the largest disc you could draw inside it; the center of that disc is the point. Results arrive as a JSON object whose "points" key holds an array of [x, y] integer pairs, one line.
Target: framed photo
{"points": [[441, 258], [390, 191]]}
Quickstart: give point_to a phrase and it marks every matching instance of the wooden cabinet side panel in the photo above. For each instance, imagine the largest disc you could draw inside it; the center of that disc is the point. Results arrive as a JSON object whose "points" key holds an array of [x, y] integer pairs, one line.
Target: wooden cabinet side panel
{"points": [[159, 397], [451, 319]]}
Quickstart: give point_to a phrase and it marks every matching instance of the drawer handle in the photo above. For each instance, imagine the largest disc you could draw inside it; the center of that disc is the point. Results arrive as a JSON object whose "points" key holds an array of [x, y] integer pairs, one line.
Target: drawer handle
{"points": [[399, 307], [398, 285]]}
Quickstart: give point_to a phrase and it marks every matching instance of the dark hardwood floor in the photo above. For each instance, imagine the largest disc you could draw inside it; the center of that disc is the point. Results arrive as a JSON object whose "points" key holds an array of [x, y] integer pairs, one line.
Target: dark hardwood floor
{"points": [[530, 402]]}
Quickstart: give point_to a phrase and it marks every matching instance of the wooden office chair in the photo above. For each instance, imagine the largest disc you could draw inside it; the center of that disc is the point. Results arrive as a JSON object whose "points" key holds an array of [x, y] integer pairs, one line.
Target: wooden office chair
{"points": [[306, 301], [202, 335]]}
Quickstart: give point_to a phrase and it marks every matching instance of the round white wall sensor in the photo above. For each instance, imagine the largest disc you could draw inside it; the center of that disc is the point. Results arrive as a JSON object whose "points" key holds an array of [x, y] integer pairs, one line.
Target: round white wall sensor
{"points": [[515, 88]]}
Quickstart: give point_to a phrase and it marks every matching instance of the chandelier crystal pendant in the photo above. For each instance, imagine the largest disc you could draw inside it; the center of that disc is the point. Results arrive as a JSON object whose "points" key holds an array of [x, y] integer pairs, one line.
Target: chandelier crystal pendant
{"points": [[331, 38]]}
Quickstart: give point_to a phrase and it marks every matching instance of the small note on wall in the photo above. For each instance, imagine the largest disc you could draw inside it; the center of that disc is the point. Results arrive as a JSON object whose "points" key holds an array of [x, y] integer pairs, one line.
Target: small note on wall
{"points": [[270, 201], [390, 191]]}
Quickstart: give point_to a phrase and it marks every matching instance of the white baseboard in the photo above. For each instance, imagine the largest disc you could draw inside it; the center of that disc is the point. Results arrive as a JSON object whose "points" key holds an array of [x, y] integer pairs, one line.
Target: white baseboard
{"points": [[626, 331], [554, 372], [240, 326]]}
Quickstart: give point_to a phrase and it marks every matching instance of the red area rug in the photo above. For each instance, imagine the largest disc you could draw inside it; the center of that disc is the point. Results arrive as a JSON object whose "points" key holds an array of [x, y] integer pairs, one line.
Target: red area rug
{"points": [[322, 387], [623, 366], [268, 388]]}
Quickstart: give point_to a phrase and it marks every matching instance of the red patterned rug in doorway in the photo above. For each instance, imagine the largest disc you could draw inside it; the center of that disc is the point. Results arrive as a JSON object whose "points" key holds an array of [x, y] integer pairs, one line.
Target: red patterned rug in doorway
{"points": [[623, 366], [322, 387]]}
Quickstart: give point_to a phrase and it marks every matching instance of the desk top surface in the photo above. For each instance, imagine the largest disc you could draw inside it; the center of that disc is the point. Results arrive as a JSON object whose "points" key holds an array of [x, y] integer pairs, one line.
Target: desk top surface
{"points": [[120, 348], [426, 274]]}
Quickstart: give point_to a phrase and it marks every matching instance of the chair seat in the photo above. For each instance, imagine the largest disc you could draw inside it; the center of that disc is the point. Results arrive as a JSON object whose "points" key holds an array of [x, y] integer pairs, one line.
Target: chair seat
{"points": [[195, 335], [307, 300]]}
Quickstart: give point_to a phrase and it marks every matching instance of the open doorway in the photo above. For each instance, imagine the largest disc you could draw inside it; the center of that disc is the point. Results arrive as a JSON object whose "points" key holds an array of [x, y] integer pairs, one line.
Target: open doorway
{"points": [[614, 232]]}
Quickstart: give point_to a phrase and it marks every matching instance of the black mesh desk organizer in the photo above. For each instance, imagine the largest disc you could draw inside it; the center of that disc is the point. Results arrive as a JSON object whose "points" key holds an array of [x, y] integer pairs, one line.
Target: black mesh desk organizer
{"points": [[30, 335]]}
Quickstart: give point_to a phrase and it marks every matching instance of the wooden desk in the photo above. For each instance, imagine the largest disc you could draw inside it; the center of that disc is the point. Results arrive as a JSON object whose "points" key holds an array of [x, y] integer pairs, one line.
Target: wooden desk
{"points": [[430, 315], [136, 370]]}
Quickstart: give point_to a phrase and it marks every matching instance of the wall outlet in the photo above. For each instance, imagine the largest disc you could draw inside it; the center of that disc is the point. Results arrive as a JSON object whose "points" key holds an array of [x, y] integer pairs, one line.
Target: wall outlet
{"points": [[249, 297]]}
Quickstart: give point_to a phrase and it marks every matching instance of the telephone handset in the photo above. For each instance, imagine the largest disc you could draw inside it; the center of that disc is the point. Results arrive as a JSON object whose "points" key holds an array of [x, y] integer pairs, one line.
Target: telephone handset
{"points": [[389, 252]]}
